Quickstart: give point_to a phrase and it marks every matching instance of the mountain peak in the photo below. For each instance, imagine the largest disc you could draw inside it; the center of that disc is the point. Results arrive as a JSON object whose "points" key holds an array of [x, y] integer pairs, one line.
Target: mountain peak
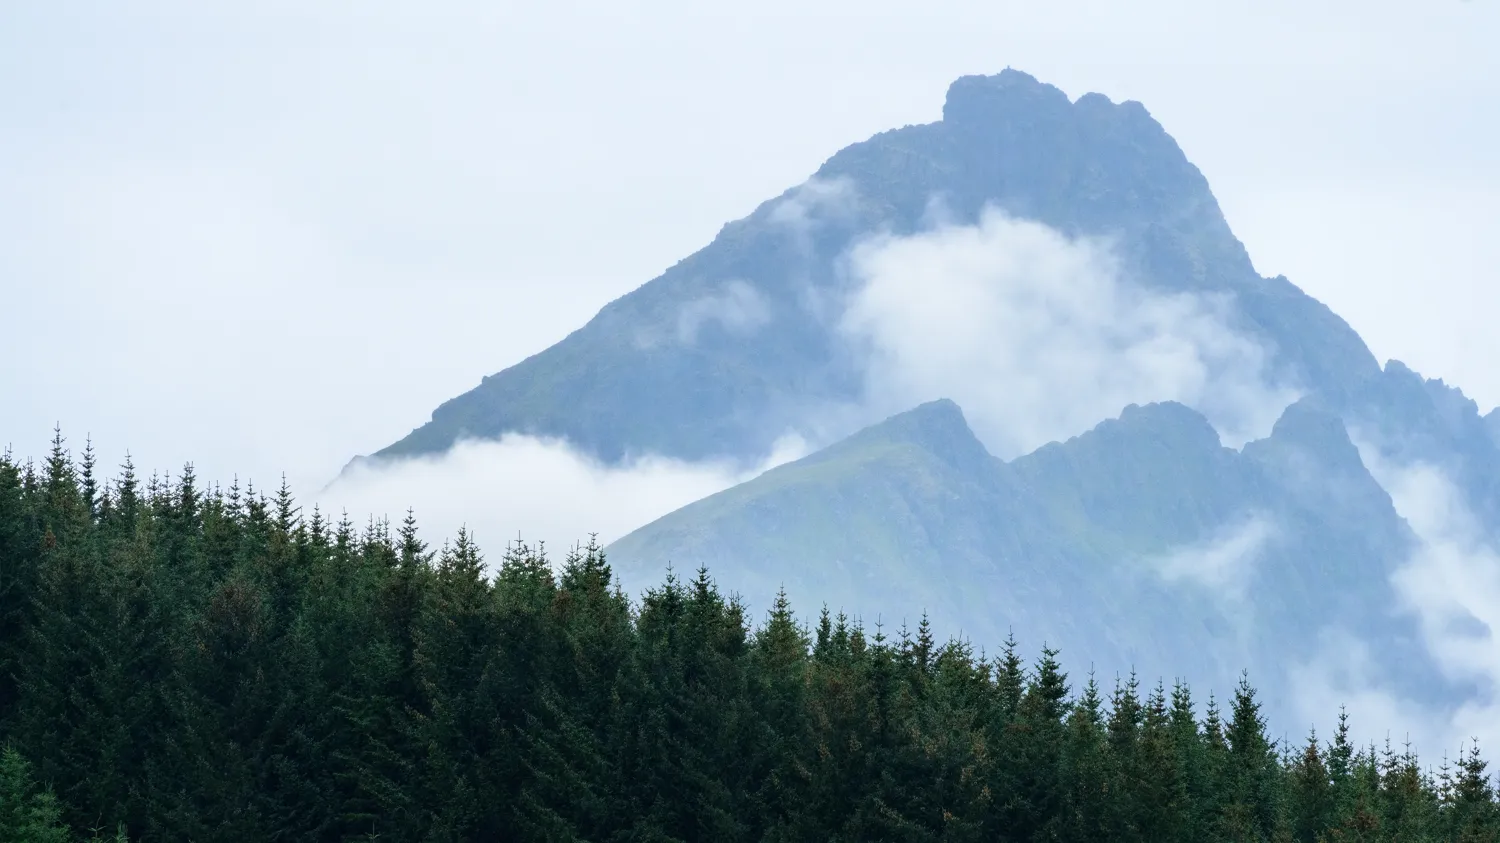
{"points": [[938, 427], [1166, 418], [1311, 420], [1149, 439], [634, 381], [939, 416], [1309, 426], [979, 98], [1012, 96]]}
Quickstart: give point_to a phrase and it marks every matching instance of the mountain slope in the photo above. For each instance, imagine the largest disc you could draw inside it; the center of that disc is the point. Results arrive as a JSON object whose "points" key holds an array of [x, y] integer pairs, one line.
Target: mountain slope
{"points": [[917, 494], [734, 346], [1143, 543]]}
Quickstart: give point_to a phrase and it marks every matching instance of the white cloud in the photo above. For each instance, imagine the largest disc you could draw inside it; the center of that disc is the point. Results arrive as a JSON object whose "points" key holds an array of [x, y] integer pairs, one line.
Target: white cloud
{"points": [[738, 307], [536, 489], [1222, 562], [814, 200], [1038, 336], [1215, 573], [1450, 583], [1341, 672]]}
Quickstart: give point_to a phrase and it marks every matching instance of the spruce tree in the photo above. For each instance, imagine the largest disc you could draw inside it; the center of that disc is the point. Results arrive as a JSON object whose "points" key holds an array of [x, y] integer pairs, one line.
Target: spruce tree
{"points": [[1311, 798], [1252, 811], [204, 664], [28, 814], [1086, 813]]}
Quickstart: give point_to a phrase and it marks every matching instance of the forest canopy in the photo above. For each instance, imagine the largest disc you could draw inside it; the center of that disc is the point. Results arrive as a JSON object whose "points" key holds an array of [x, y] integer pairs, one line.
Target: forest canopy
{"points": [[181, 662]]}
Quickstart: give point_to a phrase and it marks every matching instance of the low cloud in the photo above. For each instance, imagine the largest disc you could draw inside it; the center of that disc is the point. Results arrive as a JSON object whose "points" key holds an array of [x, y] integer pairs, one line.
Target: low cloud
{"points": [[534, 489], [1038, 336], [1450, 583], [737, 307], [1342, 672], [815, 200], [1223, 562], [1214, 575]]}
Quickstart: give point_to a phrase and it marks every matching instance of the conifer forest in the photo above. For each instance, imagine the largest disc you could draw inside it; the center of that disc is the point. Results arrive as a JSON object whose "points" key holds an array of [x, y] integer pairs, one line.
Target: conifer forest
{"points": [[179, 662]]}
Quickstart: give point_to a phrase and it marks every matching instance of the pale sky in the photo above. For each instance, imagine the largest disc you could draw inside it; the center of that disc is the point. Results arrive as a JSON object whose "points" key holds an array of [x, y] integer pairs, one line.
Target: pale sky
{"points": [[270, 238]]}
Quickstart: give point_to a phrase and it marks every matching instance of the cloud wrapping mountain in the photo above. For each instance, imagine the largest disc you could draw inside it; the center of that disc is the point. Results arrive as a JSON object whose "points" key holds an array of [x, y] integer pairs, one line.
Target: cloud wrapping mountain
{"points": [[534, 489], [1038, 336], [1179, 492], [1091, 170], [1223, 564], [1450, 583]]}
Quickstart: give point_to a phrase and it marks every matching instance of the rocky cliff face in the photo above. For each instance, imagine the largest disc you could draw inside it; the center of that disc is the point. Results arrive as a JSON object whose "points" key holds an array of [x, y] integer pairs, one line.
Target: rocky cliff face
{"points": [[735, 345]]}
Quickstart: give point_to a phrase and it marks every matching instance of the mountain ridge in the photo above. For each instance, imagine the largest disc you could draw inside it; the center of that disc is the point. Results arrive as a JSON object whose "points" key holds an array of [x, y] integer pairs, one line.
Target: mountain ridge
{"points": [[1104, 544], [1142, 541], [620, 385]]}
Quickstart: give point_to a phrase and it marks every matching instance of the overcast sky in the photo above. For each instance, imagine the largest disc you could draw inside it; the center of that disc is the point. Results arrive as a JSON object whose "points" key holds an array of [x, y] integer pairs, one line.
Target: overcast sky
{"points": [[270, 238]]}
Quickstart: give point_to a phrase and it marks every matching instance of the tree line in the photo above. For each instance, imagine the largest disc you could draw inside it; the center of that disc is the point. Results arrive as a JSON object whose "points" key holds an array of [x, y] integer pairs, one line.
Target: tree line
{"points": [[188, 663]]}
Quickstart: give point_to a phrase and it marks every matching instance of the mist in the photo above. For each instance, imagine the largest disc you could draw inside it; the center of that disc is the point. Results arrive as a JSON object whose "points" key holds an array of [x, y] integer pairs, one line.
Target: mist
{"points": [[1039, 336], [1036, 336], [1222, 563], [533, 489], [1450, 583]]}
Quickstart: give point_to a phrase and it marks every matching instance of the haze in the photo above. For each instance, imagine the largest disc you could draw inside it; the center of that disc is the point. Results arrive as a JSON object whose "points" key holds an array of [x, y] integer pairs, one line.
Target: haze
{"points": [[267, 239]]}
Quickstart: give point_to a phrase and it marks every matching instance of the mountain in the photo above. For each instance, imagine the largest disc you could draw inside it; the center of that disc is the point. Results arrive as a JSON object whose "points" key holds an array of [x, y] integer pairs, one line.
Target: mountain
{"points": [[1142, 542], [1410, 419], [732, 347]]}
